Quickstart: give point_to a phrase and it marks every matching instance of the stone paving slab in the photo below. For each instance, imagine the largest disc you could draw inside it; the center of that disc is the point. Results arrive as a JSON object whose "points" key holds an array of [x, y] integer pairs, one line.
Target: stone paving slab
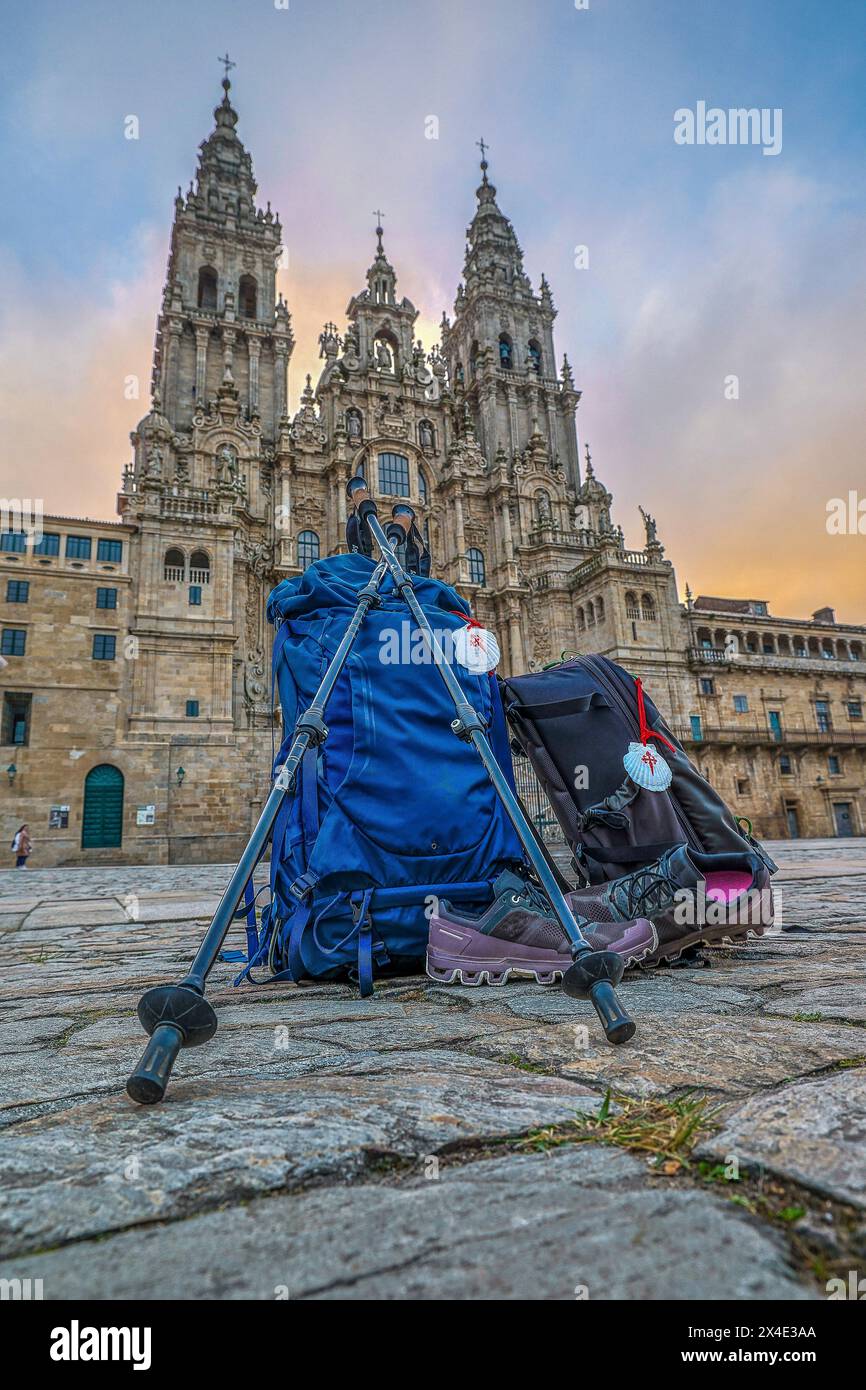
{"points": [[107, 1164], [844, 1000], [813, 1132], [571, 1224], [685, 1050]]}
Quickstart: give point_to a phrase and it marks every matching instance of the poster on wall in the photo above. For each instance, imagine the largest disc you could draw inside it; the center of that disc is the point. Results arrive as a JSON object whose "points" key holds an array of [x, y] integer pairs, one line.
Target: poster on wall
{"points": [[145, 815], [58, 818]]}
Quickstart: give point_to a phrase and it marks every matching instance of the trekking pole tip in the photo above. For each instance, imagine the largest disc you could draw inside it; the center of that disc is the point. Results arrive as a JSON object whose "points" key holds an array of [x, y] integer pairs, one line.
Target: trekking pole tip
{"points": [[593, 976], [148, 1082], [175, 1016]]}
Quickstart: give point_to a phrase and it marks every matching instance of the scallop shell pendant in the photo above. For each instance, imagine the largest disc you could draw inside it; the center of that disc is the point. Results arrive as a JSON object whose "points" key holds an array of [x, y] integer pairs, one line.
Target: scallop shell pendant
{"points": [[476, 648], [646, 767]]}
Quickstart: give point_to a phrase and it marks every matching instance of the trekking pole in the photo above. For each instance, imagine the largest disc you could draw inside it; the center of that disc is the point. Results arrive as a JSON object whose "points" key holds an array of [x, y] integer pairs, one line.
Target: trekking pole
{"points": [[593, 974], [178, 1015]]}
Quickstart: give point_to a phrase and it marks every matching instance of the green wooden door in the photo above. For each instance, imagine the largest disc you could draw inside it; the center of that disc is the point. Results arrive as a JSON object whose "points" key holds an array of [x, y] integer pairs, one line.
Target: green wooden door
{"points": [[102, 822]]}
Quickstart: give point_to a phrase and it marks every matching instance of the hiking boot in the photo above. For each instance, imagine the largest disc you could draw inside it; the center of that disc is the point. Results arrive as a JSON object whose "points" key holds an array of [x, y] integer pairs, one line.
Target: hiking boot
{"points": [[518, 935], [691, 898]]}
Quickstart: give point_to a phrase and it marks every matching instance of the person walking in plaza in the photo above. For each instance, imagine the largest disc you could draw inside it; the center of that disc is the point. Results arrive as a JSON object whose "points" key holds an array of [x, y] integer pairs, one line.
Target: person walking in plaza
{"points": [[22, 846]]}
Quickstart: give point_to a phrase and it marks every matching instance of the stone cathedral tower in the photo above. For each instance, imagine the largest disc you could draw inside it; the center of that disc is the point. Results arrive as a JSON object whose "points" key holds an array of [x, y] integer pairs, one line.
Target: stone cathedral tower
{"points": [[208, 456]]}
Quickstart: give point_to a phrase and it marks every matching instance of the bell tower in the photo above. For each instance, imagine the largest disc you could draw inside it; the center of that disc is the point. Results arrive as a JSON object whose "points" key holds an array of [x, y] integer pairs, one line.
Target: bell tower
{"points": [[500, 348], [210, 459], [220, 321]]}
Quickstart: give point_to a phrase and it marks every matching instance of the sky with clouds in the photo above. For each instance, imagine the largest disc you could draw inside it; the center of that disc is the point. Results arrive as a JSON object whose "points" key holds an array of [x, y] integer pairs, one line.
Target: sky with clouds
{"points": [[705, 261]]}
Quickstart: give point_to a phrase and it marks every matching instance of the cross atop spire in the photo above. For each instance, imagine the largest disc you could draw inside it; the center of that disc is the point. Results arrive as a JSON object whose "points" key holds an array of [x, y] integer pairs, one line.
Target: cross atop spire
{"points": [[228, 65], [483, 147], [378, 214]]}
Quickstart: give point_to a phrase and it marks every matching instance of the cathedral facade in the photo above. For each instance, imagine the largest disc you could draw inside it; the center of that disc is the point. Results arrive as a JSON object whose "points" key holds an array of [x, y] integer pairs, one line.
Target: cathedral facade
{"points": [[137, 702]]}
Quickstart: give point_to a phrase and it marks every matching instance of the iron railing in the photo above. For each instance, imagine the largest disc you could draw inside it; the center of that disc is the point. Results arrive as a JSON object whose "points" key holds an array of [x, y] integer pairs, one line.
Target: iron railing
{"points": [[532, 794]]}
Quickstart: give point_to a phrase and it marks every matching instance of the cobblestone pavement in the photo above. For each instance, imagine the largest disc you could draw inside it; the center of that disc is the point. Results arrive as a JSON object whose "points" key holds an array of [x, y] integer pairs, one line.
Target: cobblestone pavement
{"points": [[424, 1143]]}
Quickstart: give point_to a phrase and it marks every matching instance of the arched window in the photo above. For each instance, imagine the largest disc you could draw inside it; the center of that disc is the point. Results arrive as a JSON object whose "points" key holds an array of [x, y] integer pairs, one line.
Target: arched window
{"points": [[247, 297], [308, 548], [599, 610], [632, 607], [394, 475], [102, 818], [422, 486], [199, 567], [581, 619], [506, 352], [207, 288], [174, 566], [473, 360], [647, 603], [476, 566], [535, 355]]}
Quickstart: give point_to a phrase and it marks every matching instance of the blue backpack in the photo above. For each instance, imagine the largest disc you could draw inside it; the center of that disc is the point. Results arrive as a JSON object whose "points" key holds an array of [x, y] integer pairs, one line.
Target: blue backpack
{"points": [[392, 810]]}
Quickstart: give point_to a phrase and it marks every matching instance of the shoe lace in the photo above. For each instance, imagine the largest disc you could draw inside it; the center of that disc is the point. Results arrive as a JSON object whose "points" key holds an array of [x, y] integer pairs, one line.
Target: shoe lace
{"points": [[643, 893]]}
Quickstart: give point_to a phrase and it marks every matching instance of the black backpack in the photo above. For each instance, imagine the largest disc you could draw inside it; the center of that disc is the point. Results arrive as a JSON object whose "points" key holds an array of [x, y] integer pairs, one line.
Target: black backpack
{"points": [[575, 722]]}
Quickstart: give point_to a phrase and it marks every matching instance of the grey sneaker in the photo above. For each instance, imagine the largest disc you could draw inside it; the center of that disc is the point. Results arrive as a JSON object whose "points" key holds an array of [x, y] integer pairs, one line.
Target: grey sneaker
{"points": [[691, 899], [518, 935]]}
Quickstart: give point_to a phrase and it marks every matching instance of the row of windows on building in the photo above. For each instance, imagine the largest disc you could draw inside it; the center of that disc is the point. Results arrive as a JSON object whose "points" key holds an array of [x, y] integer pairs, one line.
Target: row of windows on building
{"points": [[176, 570], [16, 717], [109, 552], [507, 356], [18, 591], [208, 289], [13, 642], [853, 708], [781, 644], [640, 609], [823, 715], [591, 614]]}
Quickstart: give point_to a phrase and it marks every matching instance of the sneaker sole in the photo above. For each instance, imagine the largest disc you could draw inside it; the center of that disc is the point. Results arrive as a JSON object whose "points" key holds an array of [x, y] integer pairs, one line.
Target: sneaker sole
{"points": [[712, 936]]}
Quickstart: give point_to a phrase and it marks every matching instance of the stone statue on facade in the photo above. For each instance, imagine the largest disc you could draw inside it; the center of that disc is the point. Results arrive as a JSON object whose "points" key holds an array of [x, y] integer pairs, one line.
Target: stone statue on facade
{"points": [[650, 527]]}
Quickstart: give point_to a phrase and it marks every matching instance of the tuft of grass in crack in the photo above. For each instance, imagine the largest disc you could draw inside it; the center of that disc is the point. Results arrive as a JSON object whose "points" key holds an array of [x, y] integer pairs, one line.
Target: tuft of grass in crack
{"points": [[514, 1059], [810, 1018], [665, 1130]]}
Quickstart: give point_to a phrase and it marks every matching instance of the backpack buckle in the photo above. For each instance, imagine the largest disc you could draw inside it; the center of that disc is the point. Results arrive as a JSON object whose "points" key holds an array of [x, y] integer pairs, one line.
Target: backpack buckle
{"points": [[303, 886], [360, 905]]}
